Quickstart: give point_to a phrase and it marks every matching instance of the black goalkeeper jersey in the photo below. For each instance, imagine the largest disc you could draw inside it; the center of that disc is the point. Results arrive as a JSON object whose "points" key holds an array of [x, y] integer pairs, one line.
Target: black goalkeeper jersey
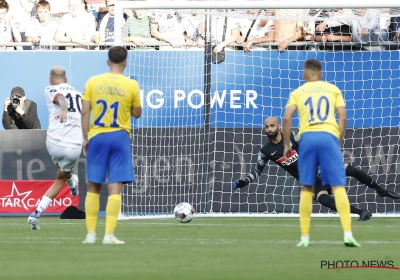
{"points": [[274, 152]]}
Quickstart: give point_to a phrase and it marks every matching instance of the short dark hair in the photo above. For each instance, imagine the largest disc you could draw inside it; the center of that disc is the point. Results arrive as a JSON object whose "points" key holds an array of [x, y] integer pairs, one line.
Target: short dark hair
{"points": [[4, 5], [312, 64], [43, 4], [117, 54]]}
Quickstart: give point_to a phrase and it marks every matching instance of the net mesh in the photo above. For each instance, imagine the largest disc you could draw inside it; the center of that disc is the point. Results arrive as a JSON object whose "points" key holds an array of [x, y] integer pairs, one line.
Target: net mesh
{"points": [[201, 130]]}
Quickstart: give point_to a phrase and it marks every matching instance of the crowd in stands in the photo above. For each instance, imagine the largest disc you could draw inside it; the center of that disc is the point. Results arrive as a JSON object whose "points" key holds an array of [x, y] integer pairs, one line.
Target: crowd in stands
{"points": [[79, 24]]}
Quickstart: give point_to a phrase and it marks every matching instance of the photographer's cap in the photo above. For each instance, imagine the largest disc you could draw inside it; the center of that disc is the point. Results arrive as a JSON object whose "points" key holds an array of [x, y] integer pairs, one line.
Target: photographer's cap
{"points": [[17, 91]]}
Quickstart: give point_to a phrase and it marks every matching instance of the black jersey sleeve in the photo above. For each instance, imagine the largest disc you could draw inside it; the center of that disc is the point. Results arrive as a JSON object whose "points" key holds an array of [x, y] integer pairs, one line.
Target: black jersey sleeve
{"points": [[258, 169]]}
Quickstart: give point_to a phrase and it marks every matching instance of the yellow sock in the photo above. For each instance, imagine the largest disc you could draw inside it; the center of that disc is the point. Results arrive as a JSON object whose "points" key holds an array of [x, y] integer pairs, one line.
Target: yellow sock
{"points": [[305, 212], [343, 208], [92, 205], [112, 211]]}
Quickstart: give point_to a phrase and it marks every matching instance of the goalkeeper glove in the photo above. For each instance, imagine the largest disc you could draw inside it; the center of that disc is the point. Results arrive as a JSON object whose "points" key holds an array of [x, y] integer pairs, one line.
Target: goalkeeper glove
{"points": [[240, 183]]}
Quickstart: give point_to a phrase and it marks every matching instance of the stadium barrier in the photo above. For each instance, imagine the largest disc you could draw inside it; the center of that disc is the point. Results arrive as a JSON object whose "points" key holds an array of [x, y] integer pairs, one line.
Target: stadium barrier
{"points": [[27, 171]]}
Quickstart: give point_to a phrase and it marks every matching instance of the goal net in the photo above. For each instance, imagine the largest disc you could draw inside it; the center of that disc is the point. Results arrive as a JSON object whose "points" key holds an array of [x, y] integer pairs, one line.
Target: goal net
{"points": [[202, 122]]}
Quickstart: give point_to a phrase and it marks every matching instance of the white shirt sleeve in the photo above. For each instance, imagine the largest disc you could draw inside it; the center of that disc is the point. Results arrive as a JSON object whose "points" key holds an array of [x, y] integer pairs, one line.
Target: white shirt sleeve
{"points": [[50, 92]]}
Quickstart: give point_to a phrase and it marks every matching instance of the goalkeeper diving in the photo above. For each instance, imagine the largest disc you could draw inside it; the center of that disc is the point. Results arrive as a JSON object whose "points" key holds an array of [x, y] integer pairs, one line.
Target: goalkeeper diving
{"points": [[273, 150]]}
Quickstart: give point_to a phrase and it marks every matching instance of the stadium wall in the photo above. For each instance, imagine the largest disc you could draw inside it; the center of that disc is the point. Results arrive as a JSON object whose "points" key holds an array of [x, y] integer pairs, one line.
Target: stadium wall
{"points": [[23, 156]]}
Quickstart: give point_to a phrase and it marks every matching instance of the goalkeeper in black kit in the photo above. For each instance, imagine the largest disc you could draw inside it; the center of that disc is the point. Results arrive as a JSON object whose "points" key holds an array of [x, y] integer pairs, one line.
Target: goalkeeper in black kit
{"points": [[273, 150]]}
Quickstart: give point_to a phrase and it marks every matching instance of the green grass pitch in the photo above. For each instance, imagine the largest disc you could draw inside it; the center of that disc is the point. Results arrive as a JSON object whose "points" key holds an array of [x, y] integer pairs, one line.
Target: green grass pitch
{"points": [[206, 248]]}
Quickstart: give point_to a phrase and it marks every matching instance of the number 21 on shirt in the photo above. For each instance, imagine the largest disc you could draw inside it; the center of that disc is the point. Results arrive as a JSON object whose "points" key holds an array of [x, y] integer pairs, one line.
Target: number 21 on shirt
{"points": [[114, 107]]}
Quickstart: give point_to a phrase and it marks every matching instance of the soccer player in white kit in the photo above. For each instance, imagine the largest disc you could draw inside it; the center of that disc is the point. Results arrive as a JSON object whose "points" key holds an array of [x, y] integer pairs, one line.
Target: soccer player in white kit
{"points": [[64, 138]]}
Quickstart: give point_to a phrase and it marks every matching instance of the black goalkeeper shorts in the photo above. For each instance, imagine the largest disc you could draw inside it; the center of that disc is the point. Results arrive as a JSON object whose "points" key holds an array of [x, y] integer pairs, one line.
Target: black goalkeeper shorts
{"points": [[319, 187]]}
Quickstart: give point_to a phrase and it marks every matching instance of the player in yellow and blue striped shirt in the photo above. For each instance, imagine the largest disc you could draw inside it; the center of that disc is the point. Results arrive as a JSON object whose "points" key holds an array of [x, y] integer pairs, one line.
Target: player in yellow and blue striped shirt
{"points": [[112, 98], [320, 140]]}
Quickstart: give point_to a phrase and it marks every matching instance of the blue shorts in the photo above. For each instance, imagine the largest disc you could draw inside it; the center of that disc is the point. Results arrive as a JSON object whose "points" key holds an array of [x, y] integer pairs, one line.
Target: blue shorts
{"points": [[320, 149], [110, 154]]}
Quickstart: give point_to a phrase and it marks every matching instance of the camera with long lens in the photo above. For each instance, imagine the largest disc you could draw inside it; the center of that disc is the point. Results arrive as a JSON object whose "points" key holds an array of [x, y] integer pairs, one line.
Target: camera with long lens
{"points": [[15, 102]]}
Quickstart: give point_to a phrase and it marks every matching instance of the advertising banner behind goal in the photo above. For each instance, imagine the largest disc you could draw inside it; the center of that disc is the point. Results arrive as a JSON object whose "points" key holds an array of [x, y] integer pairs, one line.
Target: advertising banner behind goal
{"points": [[19, 197], [203, 174]]}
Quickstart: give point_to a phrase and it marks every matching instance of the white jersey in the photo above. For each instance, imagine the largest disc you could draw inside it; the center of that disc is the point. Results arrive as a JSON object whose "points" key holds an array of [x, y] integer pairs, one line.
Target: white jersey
{"points": [[168, 25], [5, 34], [68, 134], [84, 26], [45, 32], [257, 31], [217, 27], [21, 16], [190, 25]]}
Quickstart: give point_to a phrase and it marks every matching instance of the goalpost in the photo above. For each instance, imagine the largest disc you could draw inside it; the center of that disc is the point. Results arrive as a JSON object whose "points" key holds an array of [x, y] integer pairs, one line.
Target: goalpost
{"points": [[202, 123]]}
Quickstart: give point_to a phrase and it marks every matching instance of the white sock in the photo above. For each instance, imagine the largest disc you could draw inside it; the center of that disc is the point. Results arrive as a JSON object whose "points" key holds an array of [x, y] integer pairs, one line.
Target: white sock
{"points": [[70, 182], [44, 203], [91, 235], [348, 234], [109, 235], [305, 238]]}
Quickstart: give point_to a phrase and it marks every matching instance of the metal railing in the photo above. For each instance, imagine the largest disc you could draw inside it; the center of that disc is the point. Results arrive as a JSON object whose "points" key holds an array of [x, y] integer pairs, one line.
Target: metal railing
{"points": [[314, 44]]}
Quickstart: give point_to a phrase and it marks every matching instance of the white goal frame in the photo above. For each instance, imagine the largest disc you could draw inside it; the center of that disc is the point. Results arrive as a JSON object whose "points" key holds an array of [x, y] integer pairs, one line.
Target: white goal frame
{"points": [[275, 4]]}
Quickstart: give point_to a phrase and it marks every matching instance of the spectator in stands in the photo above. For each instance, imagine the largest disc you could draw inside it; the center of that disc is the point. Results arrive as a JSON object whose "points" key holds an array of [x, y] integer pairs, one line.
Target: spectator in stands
{"points": [[34, 8], [19, 112], [217, 30], [8, 27], [340, 33], [100, 11], [190, 25], [313, 18], [364, 23], [137, 30], [41, 31], [259, 38], [395, 27], [105, 30], [167, 26], [128, 13], [77, 26], [254, 28], [384, 25], [287, 31], [58, 9], [21, 11]]}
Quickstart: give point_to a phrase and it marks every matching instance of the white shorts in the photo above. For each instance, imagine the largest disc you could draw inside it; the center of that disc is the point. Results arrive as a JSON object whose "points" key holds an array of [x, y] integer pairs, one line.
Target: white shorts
{"points": [[64, 157]]}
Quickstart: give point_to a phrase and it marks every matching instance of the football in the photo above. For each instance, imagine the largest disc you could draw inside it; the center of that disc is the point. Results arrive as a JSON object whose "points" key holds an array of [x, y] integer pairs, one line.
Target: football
{"points": [[183, 212]]}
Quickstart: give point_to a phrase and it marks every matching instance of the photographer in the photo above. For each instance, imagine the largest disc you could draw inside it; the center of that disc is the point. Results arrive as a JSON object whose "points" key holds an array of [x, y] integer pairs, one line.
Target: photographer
{"points": [[19, 112]]}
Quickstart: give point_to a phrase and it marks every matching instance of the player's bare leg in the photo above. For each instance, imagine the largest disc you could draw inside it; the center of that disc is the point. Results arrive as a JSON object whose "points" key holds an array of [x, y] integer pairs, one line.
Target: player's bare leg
{"points": [[47, 198]]}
